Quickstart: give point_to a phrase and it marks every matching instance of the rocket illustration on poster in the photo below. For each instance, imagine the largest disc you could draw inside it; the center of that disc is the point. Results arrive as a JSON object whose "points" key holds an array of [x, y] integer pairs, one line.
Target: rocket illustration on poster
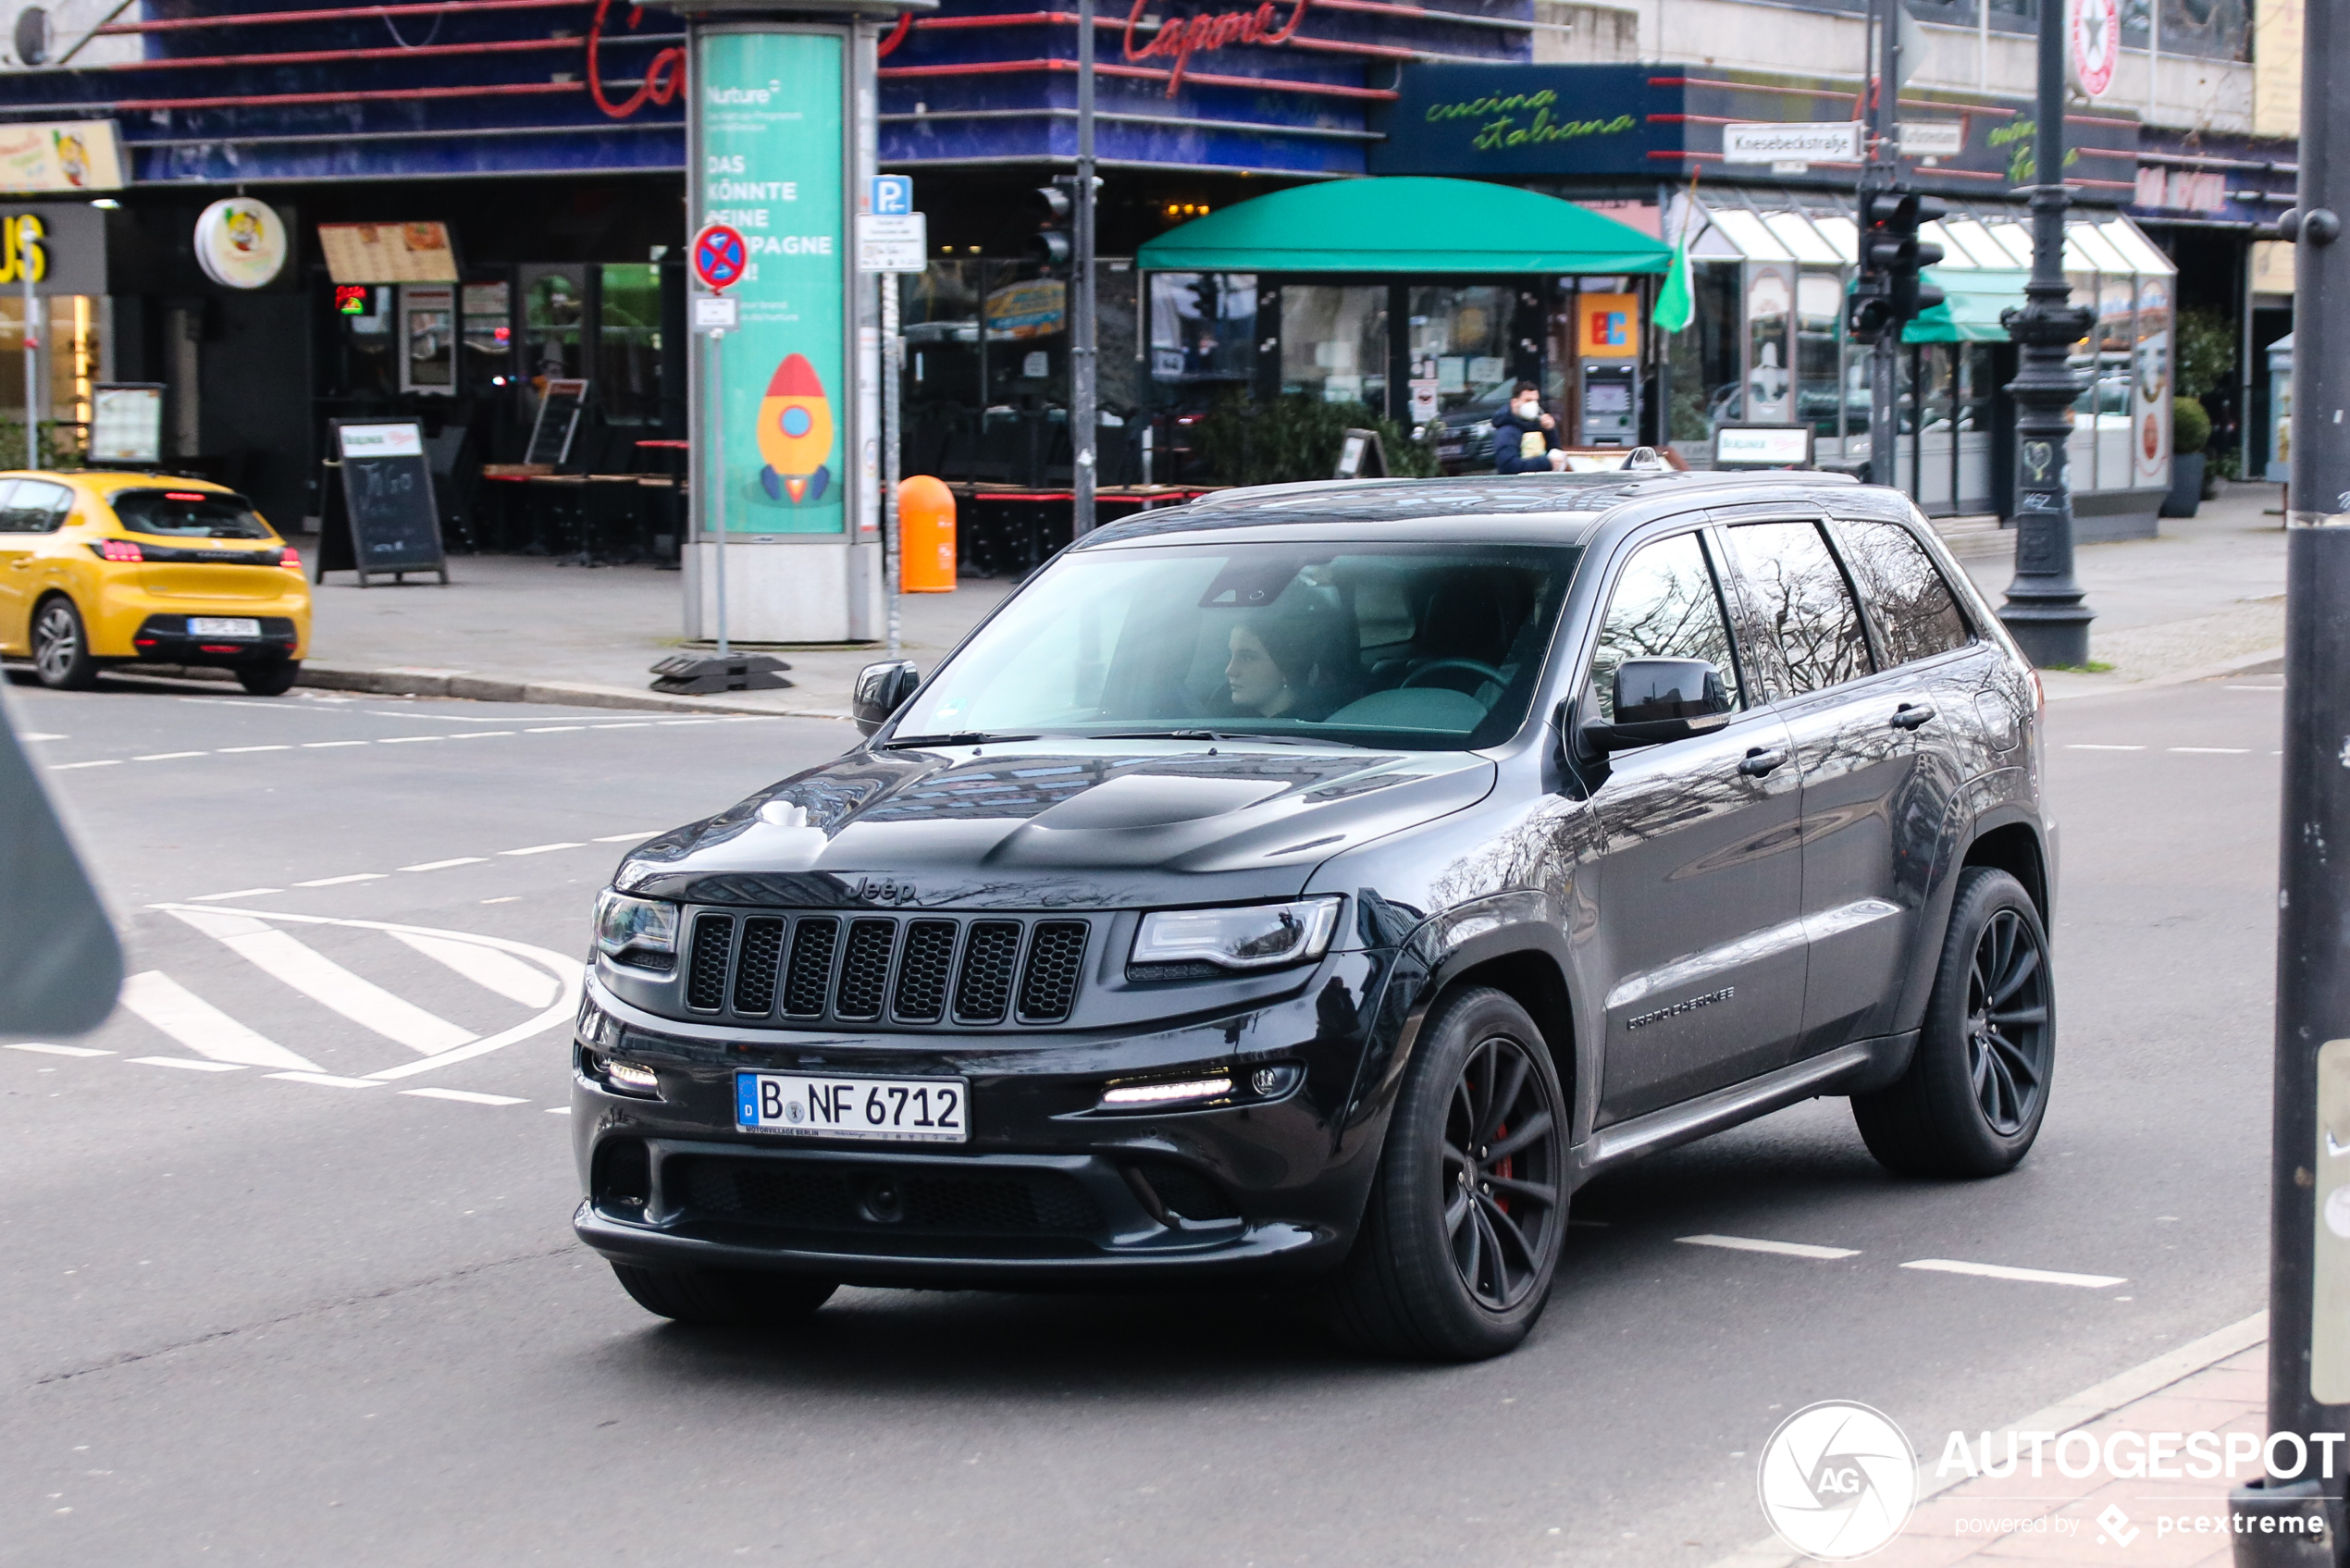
{"points": [[794, 432]]}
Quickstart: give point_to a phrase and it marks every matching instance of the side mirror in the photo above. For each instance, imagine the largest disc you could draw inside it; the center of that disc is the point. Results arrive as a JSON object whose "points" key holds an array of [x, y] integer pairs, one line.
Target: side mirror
{"points": [[882, 690], [1659, 701]]}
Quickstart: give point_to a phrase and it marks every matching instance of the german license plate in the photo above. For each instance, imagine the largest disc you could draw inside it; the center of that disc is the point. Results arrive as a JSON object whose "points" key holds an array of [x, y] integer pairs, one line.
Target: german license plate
{"points": [[223, 626], [893, 1110]]}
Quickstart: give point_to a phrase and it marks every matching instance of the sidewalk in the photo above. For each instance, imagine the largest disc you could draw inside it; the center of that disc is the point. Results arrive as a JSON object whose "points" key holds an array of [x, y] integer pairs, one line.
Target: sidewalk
{"points": [[2217, 1384], [2204, 599]]}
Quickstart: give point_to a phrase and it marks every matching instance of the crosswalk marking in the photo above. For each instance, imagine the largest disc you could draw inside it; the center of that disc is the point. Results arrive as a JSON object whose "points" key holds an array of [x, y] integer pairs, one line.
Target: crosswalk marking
{"points": [[541, 849], [201, 1027], [325, 982], [194, 1063], [61, 1050], [327, 1079], [2028, 1276], [1784, 1249], [487, 968], [464, 1096]]}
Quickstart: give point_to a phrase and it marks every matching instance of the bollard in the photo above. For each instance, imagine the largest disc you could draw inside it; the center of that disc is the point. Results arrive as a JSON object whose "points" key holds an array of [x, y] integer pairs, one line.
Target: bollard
{"points": [[926, 535]]}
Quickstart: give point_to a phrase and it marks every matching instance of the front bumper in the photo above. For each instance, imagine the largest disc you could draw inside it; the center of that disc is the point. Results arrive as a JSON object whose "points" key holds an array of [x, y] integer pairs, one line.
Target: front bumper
{"points": [[1051, 1190]]}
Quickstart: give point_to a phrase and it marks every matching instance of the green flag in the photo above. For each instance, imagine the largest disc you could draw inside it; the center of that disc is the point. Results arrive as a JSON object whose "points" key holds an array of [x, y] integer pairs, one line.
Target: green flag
{"points": [[1673, 308]]}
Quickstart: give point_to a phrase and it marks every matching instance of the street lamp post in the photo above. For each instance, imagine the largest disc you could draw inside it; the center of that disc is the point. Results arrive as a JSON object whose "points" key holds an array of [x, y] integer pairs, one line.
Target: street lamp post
{"points": [[2043, 611]]}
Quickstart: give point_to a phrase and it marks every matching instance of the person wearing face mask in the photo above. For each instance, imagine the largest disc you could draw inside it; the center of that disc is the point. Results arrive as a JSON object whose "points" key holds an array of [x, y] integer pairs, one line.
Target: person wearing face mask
{"points": [[1526, 438]]}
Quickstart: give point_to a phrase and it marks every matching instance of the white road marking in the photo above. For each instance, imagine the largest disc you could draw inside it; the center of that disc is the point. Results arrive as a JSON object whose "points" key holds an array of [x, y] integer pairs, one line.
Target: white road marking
{"points": [[39, 736], [541, 849], [328, 984], [227, 751], [1787, 1249], [338, 881], [444, 865], [62, 1050], [2252, 688], [684, 720], [324, 744], [630, 837], [69, 767], [641, 724], [2028, 1276], [2212, 750], [431, 717], [559, 1110], [479, 734], [328, 1080], [168, 755], [554, 729], [201, 1027], [487, 968], [465, 1097], [403, 740], [241, 892], [2084, 745], [194, 1063]]}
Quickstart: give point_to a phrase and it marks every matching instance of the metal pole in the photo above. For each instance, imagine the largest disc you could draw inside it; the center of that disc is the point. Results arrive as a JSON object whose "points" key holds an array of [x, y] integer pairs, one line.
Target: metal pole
{"points": [[32, 352], [1085, 425], [2045, 612], [718, 476], [1884, 454], [892, 545], [2309, 1256]]}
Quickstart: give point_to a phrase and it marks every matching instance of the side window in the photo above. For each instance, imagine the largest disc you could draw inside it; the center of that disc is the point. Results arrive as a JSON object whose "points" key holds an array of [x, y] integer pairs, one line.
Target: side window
{"points": [[1797, 598], [1917, 616], [1666, 606], [11, 522], [38, 508]]}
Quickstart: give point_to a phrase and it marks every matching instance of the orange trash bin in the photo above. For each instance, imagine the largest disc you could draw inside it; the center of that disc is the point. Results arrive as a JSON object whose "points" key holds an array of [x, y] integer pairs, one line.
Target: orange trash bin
{"points": [[925, 535]]}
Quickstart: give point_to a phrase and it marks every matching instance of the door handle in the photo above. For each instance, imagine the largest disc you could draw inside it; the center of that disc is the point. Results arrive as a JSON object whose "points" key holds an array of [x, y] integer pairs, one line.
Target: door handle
{"points": [[1760, 760], [24, 563], [1909, 715]]}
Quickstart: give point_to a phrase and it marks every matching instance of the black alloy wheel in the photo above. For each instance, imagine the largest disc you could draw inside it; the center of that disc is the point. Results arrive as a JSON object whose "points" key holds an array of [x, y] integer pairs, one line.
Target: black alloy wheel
{"points": [[1976, 1089], [61, 648], [1467, 1214], [2007, 1021]]}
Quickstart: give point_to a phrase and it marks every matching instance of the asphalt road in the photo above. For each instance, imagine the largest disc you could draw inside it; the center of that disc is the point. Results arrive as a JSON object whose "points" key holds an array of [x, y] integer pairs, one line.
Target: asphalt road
{"points": [[339, 1318]]}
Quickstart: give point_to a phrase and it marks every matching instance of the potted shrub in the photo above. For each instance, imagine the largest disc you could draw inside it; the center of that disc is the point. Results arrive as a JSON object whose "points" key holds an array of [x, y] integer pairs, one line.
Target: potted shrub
{"points": [[2190, 433]]}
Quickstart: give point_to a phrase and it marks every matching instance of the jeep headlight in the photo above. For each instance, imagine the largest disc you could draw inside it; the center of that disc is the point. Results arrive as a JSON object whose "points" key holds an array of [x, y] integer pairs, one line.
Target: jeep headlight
{"points": [[641, 933], [1181, 944]]}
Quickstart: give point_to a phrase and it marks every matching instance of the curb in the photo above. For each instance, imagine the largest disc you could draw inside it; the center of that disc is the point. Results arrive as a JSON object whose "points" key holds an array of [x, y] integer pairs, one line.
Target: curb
{"points": [[2091, 1404], [2243, 664], [398, 681]]}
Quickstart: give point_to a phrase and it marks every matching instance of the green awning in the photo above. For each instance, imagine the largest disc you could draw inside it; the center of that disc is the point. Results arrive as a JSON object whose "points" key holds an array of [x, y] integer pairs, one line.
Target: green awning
{"points": [[1971, 312], [1405, 225]]}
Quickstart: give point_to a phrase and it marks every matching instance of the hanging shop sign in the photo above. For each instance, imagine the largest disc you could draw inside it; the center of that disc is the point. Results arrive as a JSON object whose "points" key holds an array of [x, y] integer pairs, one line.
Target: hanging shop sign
{"points": [[387, 253], [770, 148], [1036, 309], [76, 155], [2093, 44], [240, 243]]}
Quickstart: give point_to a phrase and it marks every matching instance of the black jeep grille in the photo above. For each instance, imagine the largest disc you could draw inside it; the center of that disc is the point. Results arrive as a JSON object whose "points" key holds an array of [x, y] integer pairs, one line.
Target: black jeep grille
{"points": [[817, 968]]}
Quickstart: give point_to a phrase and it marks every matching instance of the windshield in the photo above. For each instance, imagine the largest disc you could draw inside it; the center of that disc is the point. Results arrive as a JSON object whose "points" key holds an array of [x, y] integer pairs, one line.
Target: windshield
{"points": [[196, 514], [1431, 647]]}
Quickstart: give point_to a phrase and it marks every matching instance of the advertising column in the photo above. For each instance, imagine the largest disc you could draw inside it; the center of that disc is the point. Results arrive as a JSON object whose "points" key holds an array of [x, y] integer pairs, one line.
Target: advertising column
{"points": [[770, 150]]}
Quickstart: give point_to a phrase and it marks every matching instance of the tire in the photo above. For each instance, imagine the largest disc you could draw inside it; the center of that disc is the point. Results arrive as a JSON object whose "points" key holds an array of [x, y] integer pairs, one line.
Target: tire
{"points": [[1977, 1088], [1446, 1267], [273, 679], [61, 647], [723, 1298]]}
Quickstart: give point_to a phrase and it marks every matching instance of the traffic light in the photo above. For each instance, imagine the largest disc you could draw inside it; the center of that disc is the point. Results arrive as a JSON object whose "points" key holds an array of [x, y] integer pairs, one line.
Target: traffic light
{"points": [[1052, 245], [1891, 291]]}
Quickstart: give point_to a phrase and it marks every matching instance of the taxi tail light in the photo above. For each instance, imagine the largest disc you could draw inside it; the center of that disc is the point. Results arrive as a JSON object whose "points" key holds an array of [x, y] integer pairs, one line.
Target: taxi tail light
{"points": [[291, 559], [117, 549]]}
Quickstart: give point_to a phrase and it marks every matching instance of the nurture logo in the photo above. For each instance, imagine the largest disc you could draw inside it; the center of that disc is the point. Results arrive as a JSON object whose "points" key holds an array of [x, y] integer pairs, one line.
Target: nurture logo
{"points": [[1837, 1480]]}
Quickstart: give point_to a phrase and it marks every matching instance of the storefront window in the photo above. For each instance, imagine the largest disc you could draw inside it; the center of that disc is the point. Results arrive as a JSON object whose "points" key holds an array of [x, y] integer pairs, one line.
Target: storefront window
{"points": [[1461, 338], [627, 371], [1334, 342], [1704, 355], [69, 362], [1819, 314], [554, 301], [1770, 301], [1202, 326]]}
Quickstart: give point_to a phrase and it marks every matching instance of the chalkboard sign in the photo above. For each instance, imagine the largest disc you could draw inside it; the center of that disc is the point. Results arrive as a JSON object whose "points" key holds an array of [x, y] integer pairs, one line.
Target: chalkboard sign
{"points": [[378, 518], [559, 410]]}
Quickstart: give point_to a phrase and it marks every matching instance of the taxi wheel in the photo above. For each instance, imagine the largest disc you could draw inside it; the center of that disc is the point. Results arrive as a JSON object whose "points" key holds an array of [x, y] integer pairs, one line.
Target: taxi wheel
{"points": [[61, 648], [273, 679]]}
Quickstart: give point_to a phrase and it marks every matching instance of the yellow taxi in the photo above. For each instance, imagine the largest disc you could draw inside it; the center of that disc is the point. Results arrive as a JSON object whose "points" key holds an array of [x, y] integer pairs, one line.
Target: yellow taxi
{"points": [[100, 568]]}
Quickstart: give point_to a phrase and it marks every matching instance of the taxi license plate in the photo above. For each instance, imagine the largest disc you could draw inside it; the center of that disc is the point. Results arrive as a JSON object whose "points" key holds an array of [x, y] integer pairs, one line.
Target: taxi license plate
{"points": [[223, 626], [895, 1110]]}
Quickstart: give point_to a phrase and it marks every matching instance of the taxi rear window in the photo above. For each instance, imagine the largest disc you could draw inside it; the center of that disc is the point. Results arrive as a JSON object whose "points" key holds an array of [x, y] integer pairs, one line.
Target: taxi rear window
{"points": [[197, 514]]}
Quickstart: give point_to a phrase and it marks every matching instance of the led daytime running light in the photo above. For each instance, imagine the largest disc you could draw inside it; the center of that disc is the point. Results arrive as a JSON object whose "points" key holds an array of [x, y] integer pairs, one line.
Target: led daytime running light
{"points": [[1159, 1093]]}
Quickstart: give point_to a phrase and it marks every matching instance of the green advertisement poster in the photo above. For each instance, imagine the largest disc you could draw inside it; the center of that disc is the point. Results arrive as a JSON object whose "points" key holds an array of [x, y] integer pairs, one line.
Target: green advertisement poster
{"points": [[769, 115]]}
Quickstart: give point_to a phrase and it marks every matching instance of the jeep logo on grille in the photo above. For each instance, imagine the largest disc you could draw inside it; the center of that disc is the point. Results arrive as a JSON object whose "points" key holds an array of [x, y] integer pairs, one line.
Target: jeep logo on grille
{"points": [[884, 890]]}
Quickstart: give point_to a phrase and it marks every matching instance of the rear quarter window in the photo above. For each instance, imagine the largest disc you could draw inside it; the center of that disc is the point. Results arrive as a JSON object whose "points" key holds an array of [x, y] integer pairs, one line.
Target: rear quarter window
{"points": [[33, 506], [193, 515], [1917, 616]]}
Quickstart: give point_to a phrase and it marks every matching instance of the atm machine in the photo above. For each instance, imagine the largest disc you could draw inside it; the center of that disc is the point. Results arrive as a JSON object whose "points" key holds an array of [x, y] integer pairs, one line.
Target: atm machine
{"points": [[1608, 360]]}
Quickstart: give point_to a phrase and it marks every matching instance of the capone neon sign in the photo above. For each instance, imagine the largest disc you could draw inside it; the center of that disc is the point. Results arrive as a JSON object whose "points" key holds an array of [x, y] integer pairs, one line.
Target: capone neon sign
{"points": [[1211, 30]]}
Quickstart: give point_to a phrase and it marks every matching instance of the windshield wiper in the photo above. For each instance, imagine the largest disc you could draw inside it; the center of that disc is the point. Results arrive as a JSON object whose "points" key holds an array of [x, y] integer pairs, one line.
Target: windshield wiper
{"points": [[954, 738], [1226, 735]]}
